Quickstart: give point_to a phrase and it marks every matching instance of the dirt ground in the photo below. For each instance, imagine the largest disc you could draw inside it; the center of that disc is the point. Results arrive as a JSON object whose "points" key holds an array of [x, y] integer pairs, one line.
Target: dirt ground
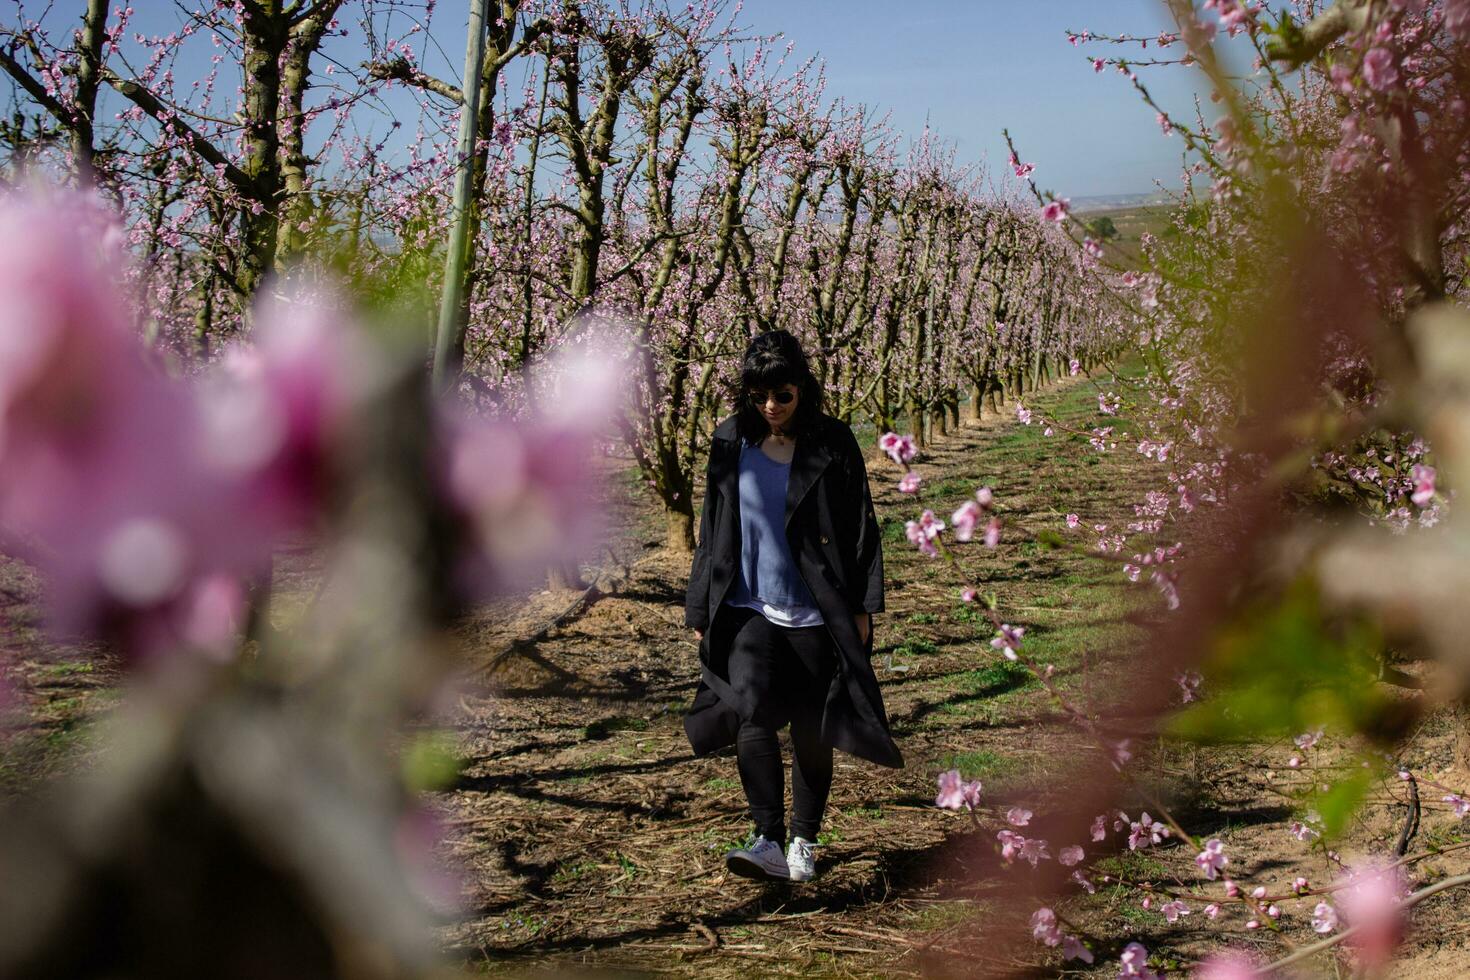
{"points": [[589, 840], [592, 840]]}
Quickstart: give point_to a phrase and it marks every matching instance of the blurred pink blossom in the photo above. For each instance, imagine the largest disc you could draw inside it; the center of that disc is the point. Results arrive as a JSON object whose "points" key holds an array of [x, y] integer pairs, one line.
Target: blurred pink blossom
{"points": [[1369, 903], [1212, 859], [1227, 966], [1379, 69], [955, 792]]}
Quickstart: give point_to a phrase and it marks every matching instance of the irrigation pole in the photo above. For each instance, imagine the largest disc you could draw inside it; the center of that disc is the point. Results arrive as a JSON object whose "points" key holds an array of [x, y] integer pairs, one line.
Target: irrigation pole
{"points": [[459, 229]]}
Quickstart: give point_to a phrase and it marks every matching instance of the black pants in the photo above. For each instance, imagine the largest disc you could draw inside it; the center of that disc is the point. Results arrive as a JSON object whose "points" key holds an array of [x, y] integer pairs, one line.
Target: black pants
{"points": [[784, 672]]}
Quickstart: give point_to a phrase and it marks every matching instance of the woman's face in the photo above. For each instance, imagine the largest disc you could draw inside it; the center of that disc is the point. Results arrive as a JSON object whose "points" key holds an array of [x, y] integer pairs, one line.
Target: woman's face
{"points": [[769, 403]]}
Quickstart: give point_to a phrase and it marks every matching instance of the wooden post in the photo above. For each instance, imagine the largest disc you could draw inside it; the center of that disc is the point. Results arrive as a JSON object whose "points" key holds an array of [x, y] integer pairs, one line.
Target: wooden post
{"points": [[459, 230]]}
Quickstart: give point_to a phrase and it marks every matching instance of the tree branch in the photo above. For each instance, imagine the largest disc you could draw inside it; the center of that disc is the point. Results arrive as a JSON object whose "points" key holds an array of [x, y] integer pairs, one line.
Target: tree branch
{"points": [[35, 89], [1298, 45], [206, 150], [1411, 901], [400, 70]]}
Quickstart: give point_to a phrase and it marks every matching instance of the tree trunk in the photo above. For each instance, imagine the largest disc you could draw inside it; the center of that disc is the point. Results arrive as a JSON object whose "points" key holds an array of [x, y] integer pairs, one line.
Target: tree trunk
{"points": [[265, 40], [977, 403], [916, 422], [449, 341], [680, 528], [94, 27]]}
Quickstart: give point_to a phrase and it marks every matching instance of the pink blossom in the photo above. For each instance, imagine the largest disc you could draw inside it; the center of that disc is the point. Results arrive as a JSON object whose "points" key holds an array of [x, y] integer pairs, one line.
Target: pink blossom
{"points": [[967, 594], [1189, 682], [1212, 859], [1379, 69], [909, 482], [1099, 828], [985, 497], [1173, 910], [1008, 640], [101, 477], [1145, 832], [1134, 963], [1073, 367], [1423, 477], [955, 792], [900, 449], [1302, 832], [1034, 850], [1044, 927], [1071, 855], [1073, 521], [1370, 904], [1324, 918], [1307, 740], [922, 532], [992, 533], [1023, 414], [965, 519], [1018, 816], [1056, 209], [1073, 949], [1459, 804], [1227, 966]]}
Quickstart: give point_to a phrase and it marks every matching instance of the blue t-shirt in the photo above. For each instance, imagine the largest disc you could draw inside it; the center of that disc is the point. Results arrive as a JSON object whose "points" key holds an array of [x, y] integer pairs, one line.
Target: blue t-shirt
{"points": [[769, 581]]}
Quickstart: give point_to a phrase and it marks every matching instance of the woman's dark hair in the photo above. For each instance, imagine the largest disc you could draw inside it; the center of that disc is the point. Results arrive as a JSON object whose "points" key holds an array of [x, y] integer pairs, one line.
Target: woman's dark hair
{"points": [[774, 359]]}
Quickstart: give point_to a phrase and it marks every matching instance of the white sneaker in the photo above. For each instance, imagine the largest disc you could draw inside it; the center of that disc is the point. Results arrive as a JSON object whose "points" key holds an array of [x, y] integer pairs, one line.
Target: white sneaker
{"points": [[761, 860], [800, 864]]}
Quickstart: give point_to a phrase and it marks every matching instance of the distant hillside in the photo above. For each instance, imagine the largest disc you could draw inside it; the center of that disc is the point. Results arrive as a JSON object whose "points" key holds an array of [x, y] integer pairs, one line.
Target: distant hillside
{"points": [[1118, 202]]}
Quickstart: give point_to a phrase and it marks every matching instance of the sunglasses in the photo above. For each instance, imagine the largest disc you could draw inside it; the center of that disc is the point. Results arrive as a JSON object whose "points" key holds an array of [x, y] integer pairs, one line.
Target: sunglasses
{"points": [[758, 398]]}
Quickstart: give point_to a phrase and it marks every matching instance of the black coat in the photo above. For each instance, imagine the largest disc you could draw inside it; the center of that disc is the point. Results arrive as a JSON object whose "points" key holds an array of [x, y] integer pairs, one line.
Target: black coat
{"points": [[834, 539]]}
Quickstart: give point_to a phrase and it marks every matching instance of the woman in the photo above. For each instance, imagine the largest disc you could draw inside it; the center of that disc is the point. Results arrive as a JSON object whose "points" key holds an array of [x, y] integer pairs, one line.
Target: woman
{"points": [[786, 576]]}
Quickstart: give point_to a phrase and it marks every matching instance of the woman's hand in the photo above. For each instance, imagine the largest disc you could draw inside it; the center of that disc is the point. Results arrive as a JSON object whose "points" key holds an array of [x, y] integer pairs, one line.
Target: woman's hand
{"points": [[864, 623], [699, 634]]}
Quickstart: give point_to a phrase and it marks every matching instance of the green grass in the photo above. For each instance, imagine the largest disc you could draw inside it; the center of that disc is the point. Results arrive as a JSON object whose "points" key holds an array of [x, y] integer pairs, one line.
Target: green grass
{"points": [[862, 813], [992, 679], [968, 612], [570, 871], [605, 727], [892, 530], [1133, 865], [625, 864], [67, 669], [981, 764], [941, 915], [915, 646], [721, 783], [953, 487], [923, 618]]}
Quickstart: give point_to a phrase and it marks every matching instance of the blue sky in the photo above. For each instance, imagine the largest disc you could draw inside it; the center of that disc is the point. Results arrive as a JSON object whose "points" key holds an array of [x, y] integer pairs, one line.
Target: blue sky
{"points": [[968, 67], [975, 67]]}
